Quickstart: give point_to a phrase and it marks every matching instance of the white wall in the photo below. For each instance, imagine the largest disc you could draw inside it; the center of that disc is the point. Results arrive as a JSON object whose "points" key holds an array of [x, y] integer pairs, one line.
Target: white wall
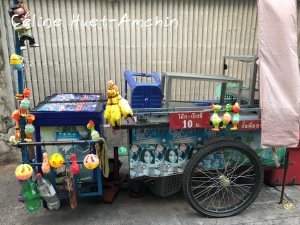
{"points": [[82, 59]]}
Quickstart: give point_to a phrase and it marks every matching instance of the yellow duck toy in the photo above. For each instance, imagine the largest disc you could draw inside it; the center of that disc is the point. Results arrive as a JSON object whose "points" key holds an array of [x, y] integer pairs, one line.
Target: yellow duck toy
{"points": [[116, 106]]}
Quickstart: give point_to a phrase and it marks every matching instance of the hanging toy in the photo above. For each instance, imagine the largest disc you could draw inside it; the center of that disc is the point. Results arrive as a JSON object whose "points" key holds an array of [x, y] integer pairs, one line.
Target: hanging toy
{"points": [[122, 151], [26, 93], [226, 117], [56, 160], [94, 134], [107, 111], [29, 128], [115, 113], [24, 106], [45, 164], [125, 108], [18, 14], [16, 116], [215, 119], [24, 102], [16, 62], [236, 116], [74, 166], [91, 161], [23, 171]]}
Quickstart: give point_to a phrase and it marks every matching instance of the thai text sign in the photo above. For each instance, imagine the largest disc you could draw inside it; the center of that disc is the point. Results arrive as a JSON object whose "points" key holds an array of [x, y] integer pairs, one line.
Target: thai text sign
{"points": [[249, 125], [185, 120]]}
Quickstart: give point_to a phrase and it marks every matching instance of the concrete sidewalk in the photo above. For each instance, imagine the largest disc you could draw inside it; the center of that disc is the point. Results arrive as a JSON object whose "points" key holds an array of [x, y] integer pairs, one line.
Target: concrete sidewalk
{"points": [[149, 209]]}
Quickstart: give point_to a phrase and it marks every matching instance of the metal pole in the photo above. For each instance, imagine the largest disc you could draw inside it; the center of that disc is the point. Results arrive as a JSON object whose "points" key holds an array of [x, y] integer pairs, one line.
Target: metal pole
{"points": [[286, 166]]}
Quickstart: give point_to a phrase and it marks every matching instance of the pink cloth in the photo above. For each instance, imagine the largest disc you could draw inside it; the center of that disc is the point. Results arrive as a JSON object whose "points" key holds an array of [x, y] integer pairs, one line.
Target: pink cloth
{"points": [[279, 72]]}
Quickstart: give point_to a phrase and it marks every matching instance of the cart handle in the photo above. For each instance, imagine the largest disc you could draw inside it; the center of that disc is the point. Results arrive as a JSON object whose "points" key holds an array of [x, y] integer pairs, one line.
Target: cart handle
{"points": [[43, 143]]}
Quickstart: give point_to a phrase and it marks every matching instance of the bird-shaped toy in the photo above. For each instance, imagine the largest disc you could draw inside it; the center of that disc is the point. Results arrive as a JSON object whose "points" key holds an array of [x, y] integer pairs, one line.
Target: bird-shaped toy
{"points": [[126, 110], [215, 119], [29, 128], [236, 116], [74, 166], [116, 106], [115, 112], [94, 134], [26, 93], [226, 118], [16, 116], [16, 62], [45, 164], [24, 106]]}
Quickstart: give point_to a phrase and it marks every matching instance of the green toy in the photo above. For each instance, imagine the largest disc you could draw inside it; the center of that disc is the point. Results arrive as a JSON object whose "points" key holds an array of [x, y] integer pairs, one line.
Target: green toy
{"points": [[215, 119], [226, 117]]}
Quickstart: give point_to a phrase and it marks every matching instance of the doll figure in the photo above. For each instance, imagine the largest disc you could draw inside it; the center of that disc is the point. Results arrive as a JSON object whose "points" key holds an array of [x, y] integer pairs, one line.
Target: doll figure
{"points": [[18, 14]]}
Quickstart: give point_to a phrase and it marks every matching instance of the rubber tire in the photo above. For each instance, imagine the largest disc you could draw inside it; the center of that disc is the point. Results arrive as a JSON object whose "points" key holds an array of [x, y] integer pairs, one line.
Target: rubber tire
{"points": [[136, 188], [195, 160]]}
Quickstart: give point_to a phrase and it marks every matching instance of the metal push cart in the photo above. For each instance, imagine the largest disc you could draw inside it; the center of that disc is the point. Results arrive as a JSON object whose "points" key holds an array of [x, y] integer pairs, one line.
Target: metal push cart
{"points": [[224, 175], [60, 126]]}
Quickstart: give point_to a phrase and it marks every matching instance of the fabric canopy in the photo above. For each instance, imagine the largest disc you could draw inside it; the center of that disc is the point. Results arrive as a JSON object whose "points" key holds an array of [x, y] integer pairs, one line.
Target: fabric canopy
{"points": [[279, 72]]}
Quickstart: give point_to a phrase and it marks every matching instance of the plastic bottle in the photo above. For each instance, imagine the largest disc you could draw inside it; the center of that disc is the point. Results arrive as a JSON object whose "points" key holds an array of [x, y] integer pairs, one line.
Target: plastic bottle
{"points": [[30, 195], [47, 192]]}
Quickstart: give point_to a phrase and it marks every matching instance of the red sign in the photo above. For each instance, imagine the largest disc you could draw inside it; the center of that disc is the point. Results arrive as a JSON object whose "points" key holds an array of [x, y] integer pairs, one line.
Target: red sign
{"points": [[185, 120], [249, 125]]}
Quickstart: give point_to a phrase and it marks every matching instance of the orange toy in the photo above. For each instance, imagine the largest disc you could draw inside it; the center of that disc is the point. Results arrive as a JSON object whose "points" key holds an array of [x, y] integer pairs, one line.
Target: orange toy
{"points": [[45, 164], [29, 128], [16, 116]]}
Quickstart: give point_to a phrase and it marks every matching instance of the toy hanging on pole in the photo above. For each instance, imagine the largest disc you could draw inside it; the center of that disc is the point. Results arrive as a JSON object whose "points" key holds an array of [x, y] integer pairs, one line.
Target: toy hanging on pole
{"points": [[116, 106], [20, 20], [29, 128], [17, 138], [94, 134]]}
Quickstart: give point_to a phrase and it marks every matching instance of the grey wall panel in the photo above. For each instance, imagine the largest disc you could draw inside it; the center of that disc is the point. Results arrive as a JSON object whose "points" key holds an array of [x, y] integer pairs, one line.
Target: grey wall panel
{"points": [[78, 57]]}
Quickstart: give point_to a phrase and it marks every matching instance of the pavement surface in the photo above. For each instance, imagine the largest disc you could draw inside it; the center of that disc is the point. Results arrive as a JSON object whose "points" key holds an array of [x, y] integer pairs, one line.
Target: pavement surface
{"points": [[148, 209]]}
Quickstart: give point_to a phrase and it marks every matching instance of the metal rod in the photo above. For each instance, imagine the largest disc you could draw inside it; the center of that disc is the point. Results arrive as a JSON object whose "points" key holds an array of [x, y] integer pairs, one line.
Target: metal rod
{"points": [[42, 143], [286, 166]]}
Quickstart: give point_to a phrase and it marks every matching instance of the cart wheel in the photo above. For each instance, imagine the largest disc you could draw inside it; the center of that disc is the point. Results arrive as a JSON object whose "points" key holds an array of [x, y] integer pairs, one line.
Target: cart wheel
{"points": [[136, 188], [222, 179]]}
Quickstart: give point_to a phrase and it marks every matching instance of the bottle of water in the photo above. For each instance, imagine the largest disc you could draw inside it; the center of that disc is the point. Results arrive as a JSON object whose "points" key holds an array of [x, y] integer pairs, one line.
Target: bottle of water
{"points": [[47, 192], [30, 195]]}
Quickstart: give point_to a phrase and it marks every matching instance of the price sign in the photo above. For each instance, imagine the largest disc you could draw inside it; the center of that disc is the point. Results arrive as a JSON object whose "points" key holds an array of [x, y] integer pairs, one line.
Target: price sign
{"points": [[184, 120]]}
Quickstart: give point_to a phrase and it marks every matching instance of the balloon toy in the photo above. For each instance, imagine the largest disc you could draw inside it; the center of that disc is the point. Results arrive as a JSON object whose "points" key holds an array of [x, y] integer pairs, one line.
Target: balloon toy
{"points": [[23, 171], [56, 160], [91, 161]]}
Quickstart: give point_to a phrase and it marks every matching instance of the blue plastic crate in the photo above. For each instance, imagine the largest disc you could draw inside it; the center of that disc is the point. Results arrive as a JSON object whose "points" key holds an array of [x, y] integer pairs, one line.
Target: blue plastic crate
{"points": [[144, 95]]}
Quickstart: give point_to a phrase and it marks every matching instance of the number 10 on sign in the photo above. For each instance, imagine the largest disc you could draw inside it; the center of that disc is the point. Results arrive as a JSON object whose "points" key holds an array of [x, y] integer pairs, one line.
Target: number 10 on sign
{"points": [[186, 120]]}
